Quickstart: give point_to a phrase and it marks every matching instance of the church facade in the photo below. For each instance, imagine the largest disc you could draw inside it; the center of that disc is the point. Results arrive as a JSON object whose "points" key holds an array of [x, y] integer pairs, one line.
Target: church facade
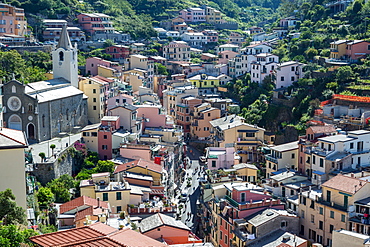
{"points": [[45, 109]]}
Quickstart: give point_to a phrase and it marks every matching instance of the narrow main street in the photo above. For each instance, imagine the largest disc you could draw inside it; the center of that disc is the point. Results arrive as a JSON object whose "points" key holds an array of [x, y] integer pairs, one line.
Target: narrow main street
{"points": [[194, 171]]}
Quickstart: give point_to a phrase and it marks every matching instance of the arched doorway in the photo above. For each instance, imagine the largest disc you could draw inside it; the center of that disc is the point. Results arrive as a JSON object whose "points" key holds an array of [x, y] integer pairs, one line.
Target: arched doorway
{"points": [[15, 122], [31, 131]]}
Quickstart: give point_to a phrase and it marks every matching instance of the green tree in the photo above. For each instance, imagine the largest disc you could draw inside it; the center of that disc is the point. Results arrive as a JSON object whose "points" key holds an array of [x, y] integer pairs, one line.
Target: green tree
{"points": [[161, 69], [108, 43], [13, 236], [344, 74], [52, 146], [42, 156], [311, 53], [10, 213], [45, 197], [104, 166]]}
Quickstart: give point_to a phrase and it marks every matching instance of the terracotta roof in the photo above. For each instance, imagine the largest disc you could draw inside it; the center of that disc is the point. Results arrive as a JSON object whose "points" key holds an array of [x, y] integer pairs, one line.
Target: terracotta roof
{"points": [[323, 129], [88, 211], [345, 183], [140, 162], [62, 238], [95, 235], [97, 242], [101, 79], [81, 202], [134, 239]]}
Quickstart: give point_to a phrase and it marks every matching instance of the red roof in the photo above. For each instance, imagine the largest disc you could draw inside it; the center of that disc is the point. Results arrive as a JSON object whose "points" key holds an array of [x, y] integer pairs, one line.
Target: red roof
{"points": [[62, 238], [102, 79], [95, 235], [88, 211], [134, 239], [80, 203], [361, 99], [140, 162]]}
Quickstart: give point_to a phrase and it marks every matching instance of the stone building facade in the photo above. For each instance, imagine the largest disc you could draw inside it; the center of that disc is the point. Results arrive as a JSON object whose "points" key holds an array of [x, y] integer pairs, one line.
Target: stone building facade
{"points": [[45, 109]]}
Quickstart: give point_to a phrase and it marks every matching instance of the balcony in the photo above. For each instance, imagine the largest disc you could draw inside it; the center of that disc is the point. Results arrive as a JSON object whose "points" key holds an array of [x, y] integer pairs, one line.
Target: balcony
{"points": [[232, 201], [333, 205], [272, 159]]}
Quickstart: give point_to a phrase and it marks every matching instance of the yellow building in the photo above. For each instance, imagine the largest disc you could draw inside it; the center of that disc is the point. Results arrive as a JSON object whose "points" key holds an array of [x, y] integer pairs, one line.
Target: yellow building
{"points": [[90, 136], [117, 194], [324, 211], [202, 116], [143, 167], [213, 15], [204, 81], [107, 72], [135, 78], [247, 172], [13, 143], [284, 156], [338, 49], [95, 89], [246, 138]]}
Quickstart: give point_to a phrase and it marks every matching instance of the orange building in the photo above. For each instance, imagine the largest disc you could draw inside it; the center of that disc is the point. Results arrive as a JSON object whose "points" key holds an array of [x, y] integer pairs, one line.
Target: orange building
{"points": [[184, 110], [202, 115]]}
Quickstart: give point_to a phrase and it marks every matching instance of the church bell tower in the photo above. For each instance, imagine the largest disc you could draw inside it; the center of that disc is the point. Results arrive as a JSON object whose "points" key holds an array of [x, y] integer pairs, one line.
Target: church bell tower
{"points": [[65, 63]]}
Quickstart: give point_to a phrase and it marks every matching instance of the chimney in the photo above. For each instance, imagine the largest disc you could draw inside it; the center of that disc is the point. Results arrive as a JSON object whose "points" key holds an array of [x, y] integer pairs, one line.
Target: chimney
{"points": [[362, 174], [352, 175], [98, 202]]}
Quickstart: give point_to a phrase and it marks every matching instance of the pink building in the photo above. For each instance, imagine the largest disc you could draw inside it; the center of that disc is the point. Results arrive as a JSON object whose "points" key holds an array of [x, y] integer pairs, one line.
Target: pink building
{"points": [[193, 15], [161, 226], [120, 99], [357, 49], [118, 52], [225, 56], [95, 23], [220, 158], [92, 64], [109, 124], [287, 73], [152, 115], [212, 35]]}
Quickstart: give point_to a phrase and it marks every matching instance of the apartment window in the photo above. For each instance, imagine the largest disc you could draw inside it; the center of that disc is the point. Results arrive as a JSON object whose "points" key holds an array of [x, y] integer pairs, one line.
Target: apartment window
{"points": [[292, 192], [293, 156], [343, 218], [321, 162], [312, 218], [242, 197], [220, 235], [104, 147], [119, 209], [321, 225], [282, 78], [312, 204], [302, 214], [292, 78], [351, 145], [313, 159], [94, 107], [105, 137], [213, 163], [94, 90], [332, 214], [105, 197], [118, 195], [331, 228], [321, 210], [94, 99], [328, 196], [292, 68], [95, 134]]}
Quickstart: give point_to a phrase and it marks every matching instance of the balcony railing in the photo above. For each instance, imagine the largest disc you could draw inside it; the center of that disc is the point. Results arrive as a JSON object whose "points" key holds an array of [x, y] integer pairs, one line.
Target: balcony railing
{"points": [[232, 201], [272, 159], [333, 205]]}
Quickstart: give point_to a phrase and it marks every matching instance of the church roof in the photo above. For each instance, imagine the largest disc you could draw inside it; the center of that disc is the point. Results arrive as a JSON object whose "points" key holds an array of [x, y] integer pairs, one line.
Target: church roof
{"points": [[64, 41]]}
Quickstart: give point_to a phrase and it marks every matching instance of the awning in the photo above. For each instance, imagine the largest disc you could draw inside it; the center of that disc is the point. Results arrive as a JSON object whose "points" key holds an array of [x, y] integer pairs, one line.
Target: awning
{"points": [[318, 173], [157, 192]]}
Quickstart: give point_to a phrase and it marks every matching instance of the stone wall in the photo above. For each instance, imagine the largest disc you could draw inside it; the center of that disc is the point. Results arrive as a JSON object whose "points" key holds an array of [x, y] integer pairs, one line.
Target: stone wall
{"points": [[63, 163]]}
